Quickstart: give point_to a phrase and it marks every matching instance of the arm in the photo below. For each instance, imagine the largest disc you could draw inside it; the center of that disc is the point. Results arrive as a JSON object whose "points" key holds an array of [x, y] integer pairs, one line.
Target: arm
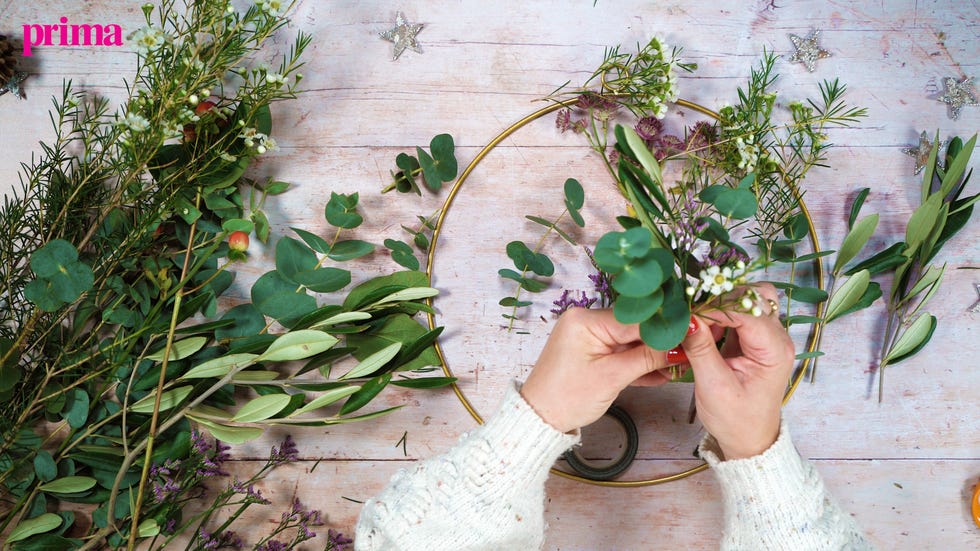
{"points": [[488, 491], [774, 499]]}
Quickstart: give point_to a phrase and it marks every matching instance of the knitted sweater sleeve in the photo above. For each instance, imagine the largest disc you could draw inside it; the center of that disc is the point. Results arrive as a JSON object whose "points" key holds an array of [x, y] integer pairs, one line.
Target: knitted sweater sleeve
{"points": [[777, 501], [487, 492]]}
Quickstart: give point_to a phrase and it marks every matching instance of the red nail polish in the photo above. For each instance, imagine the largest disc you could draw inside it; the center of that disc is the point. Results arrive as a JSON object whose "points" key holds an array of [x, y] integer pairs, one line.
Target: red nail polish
{"points": [[692, 327], [676, 356]]}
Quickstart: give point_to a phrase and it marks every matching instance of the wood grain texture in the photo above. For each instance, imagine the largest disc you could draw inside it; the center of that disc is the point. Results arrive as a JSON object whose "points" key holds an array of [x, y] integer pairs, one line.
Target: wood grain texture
{"points": [[904, 468]]}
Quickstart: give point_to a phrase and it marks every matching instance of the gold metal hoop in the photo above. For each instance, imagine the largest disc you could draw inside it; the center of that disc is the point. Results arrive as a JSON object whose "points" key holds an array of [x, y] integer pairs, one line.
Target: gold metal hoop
{"points": [[801, 369]]}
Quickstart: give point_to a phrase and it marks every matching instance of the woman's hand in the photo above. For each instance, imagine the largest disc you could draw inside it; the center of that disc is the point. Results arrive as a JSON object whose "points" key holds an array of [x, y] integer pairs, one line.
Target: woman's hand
{"points": [[739, 396], [588, 359]]}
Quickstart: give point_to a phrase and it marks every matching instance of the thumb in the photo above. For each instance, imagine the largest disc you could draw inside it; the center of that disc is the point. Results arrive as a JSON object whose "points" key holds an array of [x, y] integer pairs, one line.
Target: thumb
{"points": [[703, 355]]}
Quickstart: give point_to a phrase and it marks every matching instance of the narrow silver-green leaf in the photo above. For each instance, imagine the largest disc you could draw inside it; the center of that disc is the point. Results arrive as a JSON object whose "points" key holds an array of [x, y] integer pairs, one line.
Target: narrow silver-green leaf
{"points": [[847, 294], [297, 345], [928, 279], [68, 485], [326, 399], [373, 362], [255, 376], [643, 154], [913, 337], [343, 317], [261, 408], [180, 349], [228, 433], [412, 293], [956, 168], [219, 367], [855, 240], [922, 221], [168, 400], [33, 526]]}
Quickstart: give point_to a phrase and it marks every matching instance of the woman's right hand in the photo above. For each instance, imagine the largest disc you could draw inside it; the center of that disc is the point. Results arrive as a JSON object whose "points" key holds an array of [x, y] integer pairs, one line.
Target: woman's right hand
{"points": [[739, 395]]}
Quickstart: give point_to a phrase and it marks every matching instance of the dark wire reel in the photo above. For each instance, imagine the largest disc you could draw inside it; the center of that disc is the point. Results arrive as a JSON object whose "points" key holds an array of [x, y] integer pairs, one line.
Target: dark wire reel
{"points": [[608, 472]]}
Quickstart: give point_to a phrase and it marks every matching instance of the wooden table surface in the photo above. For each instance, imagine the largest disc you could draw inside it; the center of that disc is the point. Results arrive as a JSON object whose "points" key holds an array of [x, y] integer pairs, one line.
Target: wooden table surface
{"points": [[904, 468]]}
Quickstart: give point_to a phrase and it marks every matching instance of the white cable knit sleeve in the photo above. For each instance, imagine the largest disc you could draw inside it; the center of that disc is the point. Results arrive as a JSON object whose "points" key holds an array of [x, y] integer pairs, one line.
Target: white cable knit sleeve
{"points": [[777, 501], [487, 492]]}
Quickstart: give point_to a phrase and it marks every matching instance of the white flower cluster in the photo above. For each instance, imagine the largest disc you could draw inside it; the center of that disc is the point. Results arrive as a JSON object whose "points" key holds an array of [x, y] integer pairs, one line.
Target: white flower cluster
{"points": [[147, 39], [134, 122], [270, 7], [748, 153], [258, 140], [719, 279], [667, 81]]}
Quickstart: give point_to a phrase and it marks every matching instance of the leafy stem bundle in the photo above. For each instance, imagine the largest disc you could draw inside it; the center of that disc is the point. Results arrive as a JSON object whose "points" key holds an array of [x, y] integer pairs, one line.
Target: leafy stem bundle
{"points": [[117, 250]]}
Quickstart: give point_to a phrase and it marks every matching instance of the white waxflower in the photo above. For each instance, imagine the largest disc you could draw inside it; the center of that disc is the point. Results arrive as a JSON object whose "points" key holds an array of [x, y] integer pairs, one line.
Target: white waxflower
{"points": [[270, 7], [717, 280], [147, 39], [275, 78], [228, 157], [134, 122], [268, 143], [250, 135]]}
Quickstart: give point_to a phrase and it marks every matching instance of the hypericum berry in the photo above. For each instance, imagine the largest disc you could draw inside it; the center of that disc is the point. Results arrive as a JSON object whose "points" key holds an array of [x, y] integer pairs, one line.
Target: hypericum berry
{"points": [[204, 107], [238, 241]]}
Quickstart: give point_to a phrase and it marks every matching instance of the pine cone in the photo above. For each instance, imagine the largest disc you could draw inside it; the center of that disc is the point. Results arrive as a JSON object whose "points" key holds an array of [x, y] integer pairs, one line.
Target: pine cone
{"points": [[8, 63]]}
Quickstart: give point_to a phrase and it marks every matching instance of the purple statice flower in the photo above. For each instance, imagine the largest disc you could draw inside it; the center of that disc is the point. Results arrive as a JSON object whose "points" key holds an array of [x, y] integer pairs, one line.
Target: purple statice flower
{"points": [[208, 541], [337, 541], [163, 491], [303, 517], [200, 443], [566, 301], [601, 283], [690, 224], [648, 128], [272, 545], [169, 527], [251, 494], [223, 540], [285, 452], [564, 120], [729, 256]]}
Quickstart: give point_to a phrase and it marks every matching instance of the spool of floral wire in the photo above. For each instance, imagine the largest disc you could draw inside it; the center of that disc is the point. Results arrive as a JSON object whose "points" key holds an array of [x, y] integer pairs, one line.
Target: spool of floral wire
{"points": [[622, 463]]}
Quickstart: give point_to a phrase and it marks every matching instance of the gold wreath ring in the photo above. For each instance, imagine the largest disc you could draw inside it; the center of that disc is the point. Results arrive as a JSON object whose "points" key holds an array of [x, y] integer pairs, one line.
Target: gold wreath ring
{"points": [[431, 317]]}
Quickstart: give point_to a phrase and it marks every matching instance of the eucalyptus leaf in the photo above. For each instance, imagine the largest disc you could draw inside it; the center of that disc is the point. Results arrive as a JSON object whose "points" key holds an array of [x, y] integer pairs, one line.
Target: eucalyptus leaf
{"points": [[294, 257], [668, 327], [261, 408], [639, 278], [349, 250], [628, 310], [341, 211], [44, 466], [313, 240], [552, 226], [574, 193], [323, 279]]}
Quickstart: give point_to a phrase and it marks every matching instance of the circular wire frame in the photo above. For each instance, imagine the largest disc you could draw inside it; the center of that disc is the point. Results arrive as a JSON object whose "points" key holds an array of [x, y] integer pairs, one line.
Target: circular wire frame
{"points": [[794, 382]]}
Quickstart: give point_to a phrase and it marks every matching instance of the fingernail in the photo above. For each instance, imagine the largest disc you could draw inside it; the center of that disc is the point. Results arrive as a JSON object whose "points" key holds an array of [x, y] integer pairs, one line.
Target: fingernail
{"points": [[676, 356], [692, 327]]}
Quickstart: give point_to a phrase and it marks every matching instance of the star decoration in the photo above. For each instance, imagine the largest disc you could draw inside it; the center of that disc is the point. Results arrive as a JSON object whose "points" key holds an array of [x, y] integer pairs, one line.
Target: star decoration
{"points": [[958, 94], [403, 36], [807, 50], [976, 306], [13, 85], [921, 152]]}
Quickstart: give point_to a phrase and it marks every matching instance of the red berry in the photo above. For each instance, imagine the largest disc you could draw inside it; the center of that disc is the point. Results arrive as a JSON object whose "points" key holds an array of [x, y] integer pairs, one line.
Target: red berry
{"points": [[238, 241], [204, 107]]}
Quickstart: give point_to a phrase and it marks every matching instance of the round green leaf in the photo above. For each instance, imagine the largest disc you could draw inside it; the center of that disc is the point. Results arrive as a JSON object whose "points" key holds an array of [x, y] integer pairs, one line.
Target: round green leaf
{"points": [[261, 408], [341, 211], [736, 203], [45, 466], [350, 249], [443, 153], [640, 278], [248, 321], [635, 242], [297, 345], [315, 242], [293, 257], [68, 485], [668, 327], [42, 294], [273, 296], [574, 193], [53, 257], [32, 526], [637, 309], [608, 254], [323, 280], [76, 412], [238, 224]]}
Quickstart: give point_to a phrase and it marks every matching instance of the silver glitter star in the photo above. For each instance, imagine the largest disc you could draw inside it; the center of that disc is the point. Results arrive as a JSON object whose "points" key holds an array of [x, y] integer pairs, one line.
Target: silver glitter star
{"points": [[13, 85], [807, 50], [921, 152], [958, 94], [976, 306], [403, 36]]}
